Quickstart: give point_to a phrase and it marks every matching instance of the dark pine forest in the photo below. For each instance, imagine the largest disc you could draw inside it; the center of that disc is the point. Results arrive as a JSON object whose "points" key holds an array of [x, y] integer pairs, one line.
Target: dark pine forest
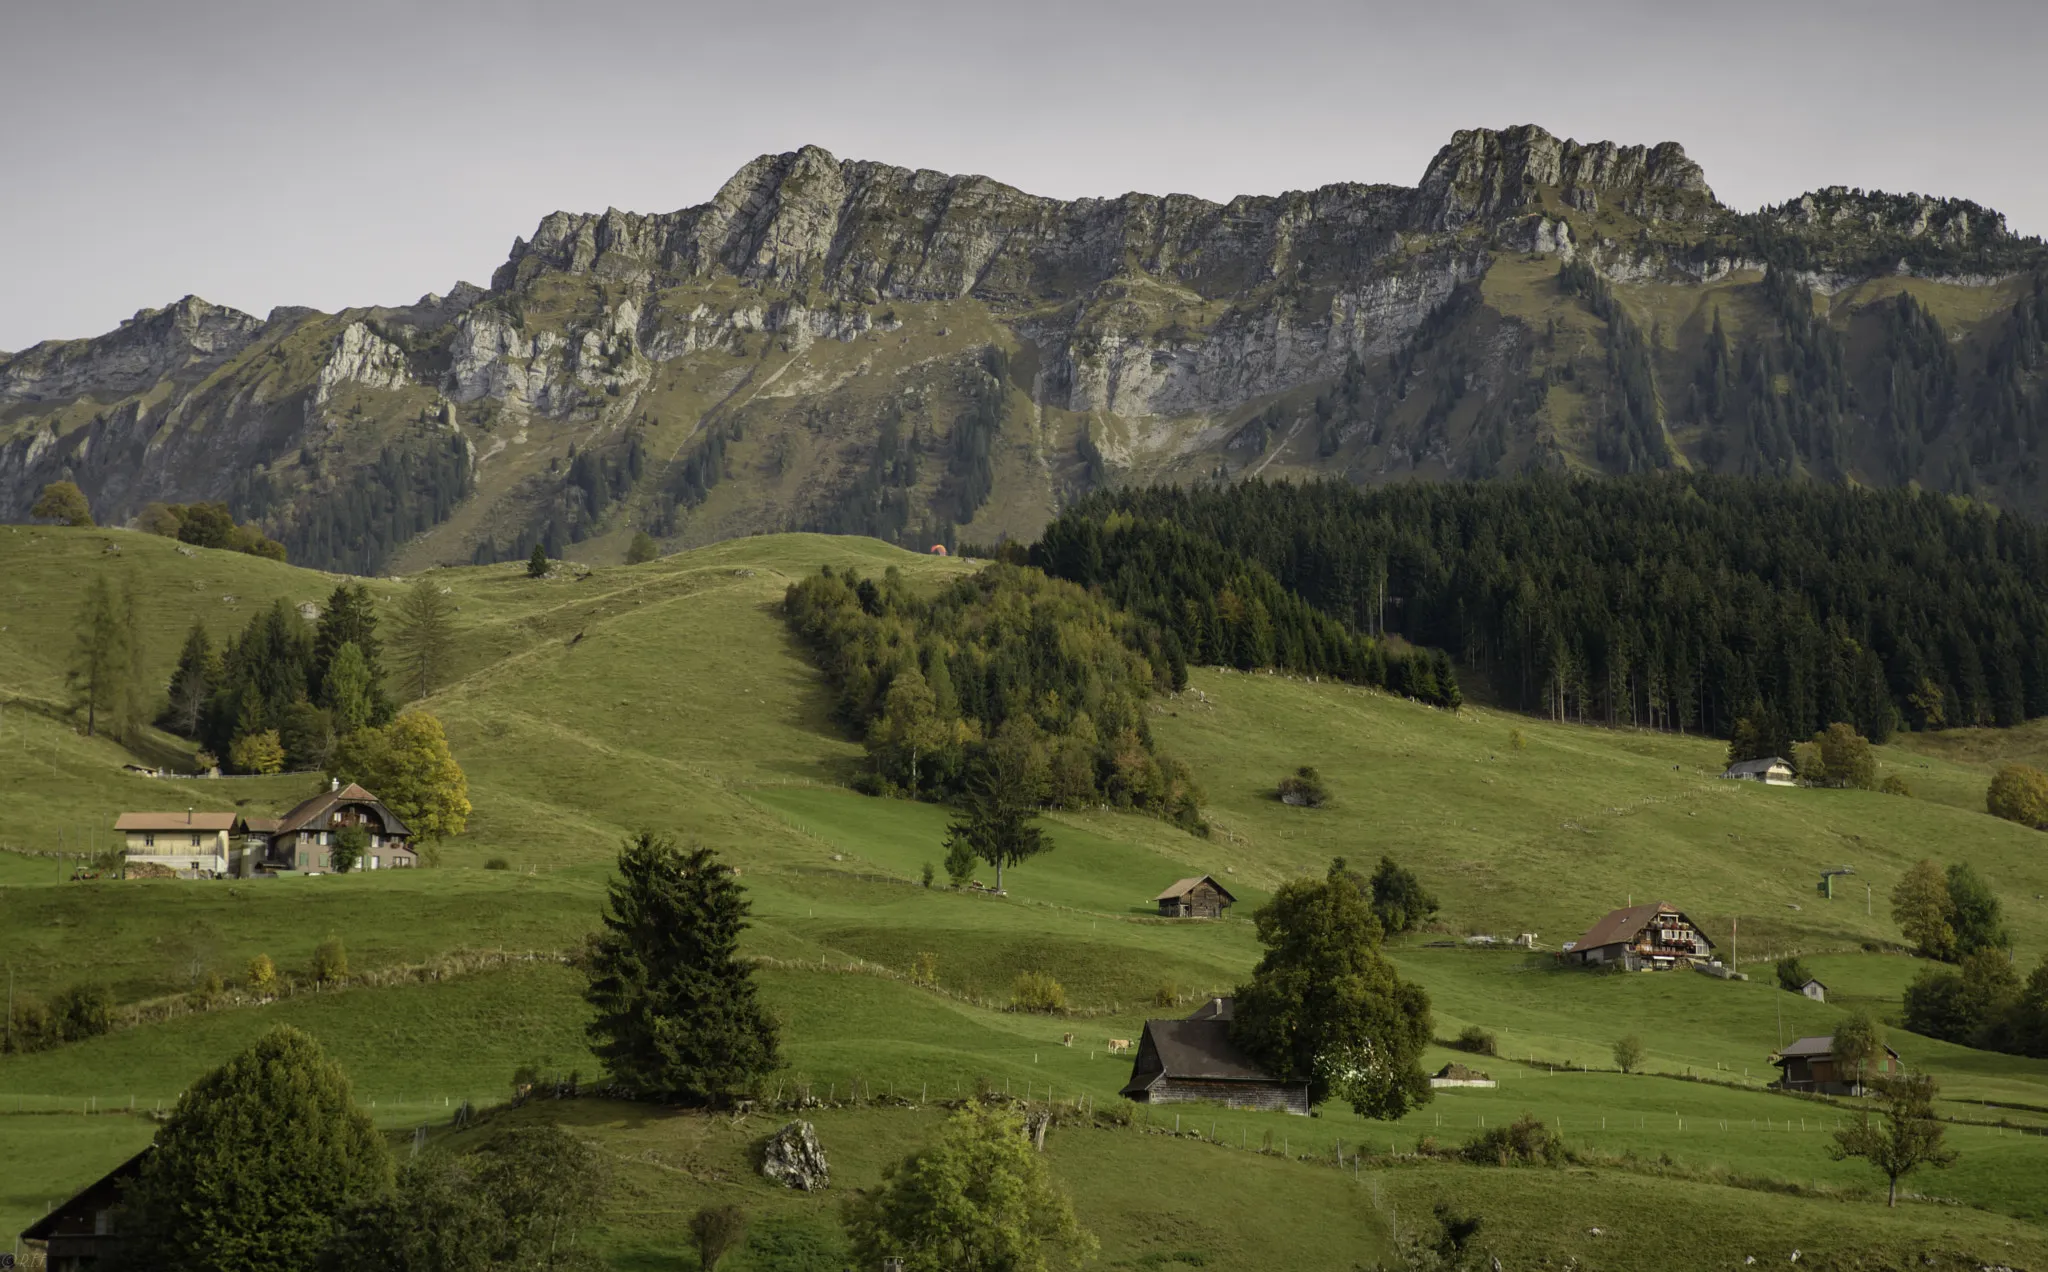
{"points": [[1668, 601]]}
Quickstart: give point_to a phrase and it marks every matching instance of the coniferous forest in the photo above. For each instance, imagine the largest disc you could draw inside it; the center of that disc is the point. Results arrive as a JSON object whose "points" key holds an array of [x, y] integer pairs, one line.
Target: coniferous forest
{"points": [[1669, 601]]}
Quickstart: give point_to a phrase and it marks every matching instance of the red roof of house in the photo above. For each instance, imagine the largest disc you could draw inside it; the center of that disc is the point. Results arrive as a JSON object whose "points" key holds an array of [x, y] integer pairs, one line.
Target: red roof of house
{"points": [[309, 812], [1626, 924]]}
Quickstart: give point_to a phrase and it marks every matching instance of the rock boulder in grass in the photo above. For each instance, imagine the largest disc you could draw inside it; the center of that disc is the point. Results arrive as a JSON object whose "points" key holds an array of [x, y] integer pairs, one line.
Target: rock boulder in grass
{"points": [[794, 1157]]}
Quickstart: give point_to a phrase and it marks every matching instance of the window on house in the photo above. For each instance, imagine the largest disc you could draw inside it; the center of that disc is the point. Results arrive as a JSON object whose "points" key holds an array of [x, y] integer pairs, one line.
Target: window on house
{"points": [[149, 841], [373, 863], [195, 841]]}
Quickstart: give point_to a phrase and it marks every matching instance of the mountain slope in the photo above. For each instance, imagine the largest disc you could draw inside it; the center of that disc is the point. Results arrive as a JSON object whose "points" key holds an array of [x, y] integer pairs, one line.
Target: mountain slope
{"points": [[847, 346]]}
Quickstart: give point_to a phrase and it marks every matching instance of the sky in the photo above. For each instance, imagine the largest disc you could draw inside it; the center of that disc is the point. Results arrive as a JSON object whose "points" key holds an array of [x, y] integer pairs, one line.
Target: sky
{"points": [[270, 152]]}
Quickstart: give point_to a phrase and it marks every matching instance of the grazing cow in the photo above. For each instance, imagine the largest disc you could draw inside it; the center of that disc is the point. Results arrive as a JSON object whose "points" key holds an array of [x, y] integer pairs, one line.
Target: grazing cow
{"points": [[1067, 1040], [1119, 1044]]}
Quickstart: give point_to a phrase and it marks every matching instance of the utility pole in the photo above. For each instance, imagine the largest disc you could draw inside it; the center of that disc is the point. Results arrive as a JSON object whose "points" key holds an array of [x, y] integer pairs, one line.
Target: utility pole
{"points": [[1735, 943]]}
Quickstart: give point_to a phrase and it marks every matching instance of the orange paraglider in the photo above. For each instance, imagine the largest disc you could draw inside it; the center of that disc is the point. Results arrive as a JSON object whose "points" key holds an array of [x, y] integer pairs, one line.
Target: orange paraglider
{"points": [[938, 549]]}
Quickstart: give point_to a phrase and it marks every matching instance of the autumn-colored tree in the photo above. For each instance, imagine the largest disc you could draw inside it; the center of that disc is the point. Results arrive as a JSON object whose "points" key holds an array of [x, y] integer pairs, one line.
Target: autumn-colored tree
{"points": [[408, 765], [2019, 793], [260, 752], [62, 501], [1923, 911]]}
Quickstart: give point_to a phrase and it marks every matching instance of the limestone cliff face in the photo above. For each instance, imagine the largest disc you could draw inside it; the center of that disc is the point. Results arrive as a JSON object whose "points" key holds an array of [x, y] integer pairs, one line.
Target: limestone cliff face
{"points": [[847, 345]]}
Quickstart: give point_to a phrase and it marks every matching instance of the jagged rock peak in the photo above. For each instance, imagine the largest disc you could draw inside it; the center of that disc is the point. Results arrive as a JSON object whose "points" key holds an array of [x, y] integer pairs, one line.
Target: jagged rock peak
{"points": [[1485, 174], [1956, 223], [152, 344]]}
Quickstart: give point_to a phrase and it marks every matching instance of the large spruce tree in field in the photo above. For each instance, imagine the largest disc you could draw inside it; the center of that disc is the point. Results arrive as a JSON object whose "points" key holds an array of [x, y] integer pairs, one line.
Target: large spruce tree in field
{"points": [[255, 1167], [677, 1013], [1325, 1007]]}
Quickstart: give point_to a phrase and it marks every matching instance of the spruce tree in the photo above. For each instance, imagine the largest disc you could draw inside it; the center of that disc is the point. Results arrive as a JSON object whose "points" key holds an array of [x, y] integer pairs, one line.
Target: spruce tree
{"points": [[349, 619], [537, 564], [423, 638], [100, 658], [677, 1013], [255, 1166], [198, 673]]}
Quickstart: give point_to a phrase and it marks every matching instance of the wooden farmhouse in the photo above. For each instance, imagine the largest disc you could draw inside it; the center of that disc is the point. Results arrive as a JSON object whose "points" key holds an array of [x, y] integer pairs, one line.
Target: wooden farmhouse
{"points": [[1652, 937], [84, 1232], [1194, 1059], [1815, 990], [1198, 898], [304, 838], [1809, 1065], [227, 845], [1772, 771]]}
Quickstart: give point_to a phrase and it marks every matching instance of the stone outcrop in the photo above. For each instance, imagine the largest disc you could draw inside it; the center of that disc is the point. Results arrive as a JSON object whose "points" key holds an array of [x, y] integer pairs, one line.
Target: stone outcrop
{"points": [[153, 345], [794, 1158], [1483, 175]]}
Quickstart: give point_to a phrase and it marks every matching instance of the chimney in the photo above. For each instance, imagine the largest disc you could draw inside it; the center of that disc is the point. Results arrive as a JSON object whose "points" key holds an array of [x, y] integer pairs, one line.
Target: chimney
{"points": [[333, 783], [188, 815]]}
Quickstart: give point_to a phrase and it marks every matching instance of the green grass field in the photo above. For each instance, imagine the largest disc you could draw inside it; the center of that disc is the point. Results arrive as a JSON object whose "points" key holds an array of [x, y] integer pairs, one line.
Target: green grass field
{"points": [[685, 707]]}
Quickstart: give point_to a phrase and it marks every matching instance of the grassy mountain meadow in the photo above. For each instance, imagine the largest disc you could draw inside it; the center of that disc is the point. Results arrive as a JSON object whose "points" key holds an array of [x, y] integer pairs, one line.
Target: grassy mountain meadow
{"points": [[844, 346], [672, 695]]}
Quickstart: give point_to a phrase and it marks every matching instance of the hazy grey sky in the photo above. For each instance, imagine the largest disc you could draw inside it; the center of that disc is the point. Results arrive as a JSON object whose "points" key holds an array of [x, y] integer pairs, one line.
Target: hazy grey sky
{"points": [[361, 151]]}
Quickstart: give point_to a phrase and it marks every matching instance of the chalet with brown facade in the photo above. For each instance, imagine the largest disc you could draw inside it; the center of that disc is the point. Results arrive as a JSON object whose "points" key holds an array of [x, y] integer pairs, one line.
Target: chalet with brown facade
{"points": [[1810, 1065], [304, 838], [1650, 937], [84, 1232], [1198, 898], [1193, 1059]]}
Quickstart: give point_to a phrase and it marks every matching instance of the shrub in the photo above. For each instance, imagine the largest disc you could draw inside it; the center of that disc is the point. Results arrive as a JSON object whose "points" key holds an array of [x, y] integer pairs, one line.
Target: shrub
{"points": [[1399, 900], [257, 753], [959, 860], [1036, 991], [83, 1011], [715, 1230], [537, 564], [928, 874], [1893, 784], [351, 843], [1792, 974], [330, 961], [642, 550], [1524, 1142], [1167, 995], [1304, 788], [924, 969], [2018, 794], [262, 974], [1628, 1054], [1480, 1042], [497, 863], [1516, 742], [31, 1027]]}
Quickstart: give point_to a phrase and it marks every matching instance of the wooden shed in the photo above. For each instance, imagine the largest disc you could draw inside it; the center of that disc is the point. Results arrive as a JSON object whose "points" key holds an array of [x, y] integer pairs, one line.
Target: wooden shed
{"points": [[1198, 898], [1194, 1059], [1809, 1065]]}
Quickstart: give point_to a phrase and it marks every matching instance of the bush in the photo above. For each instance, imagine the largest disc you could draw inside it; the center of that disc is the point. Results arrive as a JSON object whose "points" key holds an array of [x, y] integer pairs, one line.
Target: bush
{"points": [[83, 1011], [715, 1230], [1792, 974], [1167, 995], [1304, 789], [497, 863], [1480, 1042], [351, 844], [1516, 742], [928, 874], [262, 974], [1524, 1142], [330, 961], [2019, 794], [1628, 1054], [924, 969], [1893, 784], [1399, 900], [31, 1027], [1036, 991], [643, 549], [257, 753]]}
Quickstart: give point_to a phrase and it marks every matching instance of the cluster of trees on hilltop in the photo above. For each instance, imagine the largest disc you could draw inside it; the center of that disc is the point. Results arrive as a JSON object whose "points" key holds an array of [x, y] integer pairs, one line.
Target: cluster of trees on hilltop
{"points": [[1672, 601], [1216, 605], [1007, 660]]}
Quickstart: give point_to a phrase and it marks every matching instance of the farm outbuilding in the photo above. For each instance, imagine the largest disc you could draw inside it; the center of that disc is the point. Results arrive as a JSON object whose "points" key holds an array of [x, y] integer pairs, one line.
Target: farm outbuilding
{"points": [[1198, 898], [1815, 990], [1193, 1059], [1458, 1075], [1810, 1065], [84, 1232], [1771, 770]]}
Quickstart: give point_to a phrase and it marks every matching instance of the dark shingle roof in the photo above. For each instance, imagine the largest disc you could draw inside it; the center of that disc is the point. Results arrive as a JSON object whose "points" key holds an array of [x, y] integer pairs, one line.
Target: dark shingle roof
{"points": [[1626, 924], [1816, 1048], [1185, 886], [1195, 1049], [309, 811]]}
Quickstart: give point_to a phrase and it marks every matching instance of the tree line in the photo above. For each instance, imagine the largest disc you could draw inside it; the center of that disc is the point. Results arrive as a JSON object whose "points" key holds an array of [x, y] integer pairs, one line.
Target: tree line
{"points": [[1007, 665], [1674, 600], [1215, 604]]}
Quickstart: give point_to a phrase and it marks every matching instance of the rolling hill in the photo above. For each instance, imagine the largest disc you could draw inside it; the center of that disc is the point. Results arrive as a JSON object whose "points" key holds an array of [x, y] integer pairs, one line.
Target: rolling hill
{"points": [[686, 706]]}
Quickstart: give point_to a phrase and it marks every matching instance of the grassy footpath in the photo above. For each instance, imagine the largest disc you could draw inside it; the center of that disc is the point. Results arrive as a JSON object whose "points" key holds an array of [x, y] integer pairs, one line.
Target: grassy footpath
{"points": [[684, 706]]}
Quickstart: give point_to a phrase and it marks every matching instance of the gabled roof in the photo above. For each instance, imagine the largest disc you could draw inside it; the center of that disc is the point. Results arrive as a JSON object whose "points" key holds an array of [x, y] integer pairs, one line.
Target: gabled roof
{"points": [[1185, 886], [1764, 765], [263, 825], [107, 1185], [177, 821], [1817, 1048], [1214, 1009], [314, 810], [1198, 1049], [1626, 924], [1813, 980]]}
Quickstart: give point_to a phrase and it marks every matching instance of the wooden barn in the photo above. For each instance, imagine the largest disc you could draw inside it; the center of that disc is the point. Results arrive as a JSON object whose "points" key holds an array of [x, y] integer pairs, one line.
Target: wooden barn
{"points": [[1194, 1059], [1653, 937], [1809, 1065], [84, 1232], [1198, 898]]}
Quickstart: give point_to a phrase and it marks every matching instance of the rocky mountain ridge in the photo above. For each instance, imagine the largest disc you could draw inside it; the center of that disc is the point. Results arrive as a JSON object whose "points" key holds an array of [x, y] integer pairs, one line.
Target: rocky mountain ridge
{"points": [[846, 345]]}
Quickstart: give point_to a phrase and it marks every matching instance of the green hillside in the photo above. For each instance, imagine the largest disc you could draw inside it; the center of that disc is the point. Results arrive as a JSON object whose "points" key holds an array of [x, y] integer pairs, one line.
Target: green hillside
{"points": [[685, 706]]}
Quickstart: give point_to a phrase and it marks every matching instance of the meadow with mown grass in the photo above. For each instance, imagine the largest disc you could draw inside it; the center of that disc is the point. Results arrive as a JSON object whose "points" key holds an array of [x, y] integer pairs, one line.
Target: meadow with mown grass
{"points": [[670, 695]]}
